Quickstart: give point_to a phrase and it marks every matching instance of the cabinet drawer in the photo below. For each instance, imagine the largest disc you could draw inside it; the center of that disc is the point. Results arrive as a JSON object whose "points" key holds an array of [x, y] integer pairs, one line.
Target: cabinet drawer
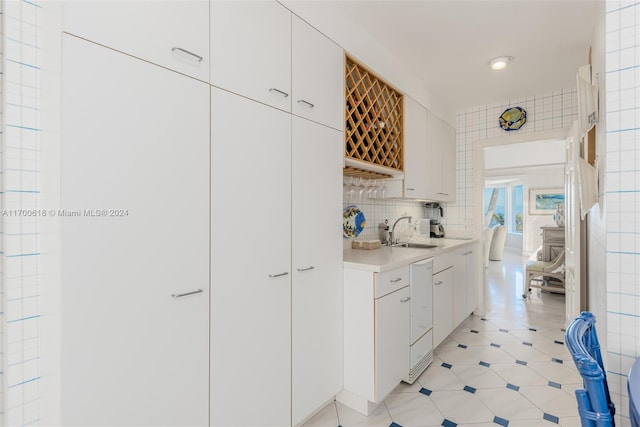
{"points": [[442, 262], [391, 280], [553, 235]]}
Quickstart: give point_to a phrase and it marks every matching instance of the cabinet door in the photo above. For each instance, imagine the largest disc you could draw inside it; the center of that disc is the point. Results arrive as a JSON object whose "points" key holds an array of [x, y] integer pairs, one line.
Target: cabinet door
{"points": [[251, 50], [442, 305], [434, 157], [416, 160], [392, 340], [317, 77], [471, 265], [250, 262], [174, 34], [460, 286], [449, 173], [317, 266], [134, 352]]}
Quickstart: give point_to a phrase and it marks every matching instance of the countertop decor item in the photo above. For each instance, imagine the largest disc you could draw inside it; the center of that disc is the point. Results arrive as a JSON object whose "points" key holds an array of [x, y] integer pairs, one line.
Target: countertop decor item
{"points": [[513, 118], [353, 221]]}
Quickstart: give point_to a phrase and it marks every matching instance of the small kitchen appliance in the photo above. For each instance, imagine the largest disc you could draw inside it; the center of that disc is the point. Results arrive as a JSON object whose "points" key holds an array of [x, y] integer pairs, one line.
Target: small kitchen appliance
{"points": [[435, 213]]}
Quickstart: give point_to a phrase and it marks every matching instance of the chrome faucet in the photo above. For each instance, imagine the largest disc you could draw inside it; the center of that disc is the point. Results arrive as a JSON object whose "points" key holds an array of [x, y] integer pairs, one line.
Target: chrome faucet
{"points": [[392, 236]]}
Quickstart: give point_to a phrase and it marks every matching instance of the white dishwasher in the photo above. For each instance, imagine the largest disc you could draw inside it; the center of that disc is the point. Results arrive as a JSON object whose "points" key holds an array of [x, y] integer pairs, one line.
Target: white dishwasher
{"points": [[421, 286]]}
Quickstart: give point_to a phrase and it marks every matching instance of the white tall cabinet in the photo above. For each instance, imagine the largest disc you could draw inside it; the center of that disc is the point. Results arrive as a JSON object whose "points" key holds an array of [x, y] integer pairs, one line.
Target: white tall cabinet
{"points": [[226, 275], [250, 262], [134, 244], [317, 274], [441, 149]]}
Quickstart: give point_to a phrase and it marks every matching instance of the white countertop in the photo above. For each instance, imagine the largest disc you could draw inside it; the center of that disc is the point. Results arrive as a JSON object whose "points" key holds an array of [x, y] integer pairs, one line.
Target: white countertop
{"points": [[388, 258]]}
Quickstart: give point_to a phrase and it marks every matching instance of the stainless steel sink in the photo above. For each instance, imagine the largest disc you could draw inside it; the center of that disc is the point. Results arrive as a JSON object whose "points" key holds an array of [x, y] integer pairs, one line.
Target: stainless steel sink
{"points": [[415, 245]]}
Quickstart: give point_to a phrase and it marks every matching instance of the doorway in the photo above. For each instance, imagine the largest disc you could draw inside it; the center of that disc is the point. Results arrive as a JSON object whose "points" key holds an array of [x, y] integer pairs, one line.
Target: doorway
{"points": [[537, 161]]}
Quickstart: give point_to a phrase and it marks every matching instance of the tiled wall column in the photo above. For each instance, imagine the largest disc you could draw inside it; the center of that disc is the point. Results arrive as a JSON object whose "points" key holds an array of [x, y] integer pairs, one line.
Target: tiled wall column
{"points": [[622, 194], [20, 195]]}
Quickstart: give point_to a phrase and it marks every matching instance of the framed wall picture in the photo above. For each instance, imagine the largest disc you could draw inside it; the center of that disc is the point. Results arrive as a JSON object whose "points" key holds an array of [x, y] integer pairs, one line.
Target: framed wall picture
{"points": [[543, 201]]}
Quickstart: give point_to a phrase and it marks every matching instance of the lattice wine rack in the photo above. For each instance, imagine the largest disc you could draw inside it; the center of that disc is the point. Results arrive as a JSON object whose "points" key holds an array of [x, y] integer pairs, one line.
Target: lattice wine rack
{"points": [[374, 131]]}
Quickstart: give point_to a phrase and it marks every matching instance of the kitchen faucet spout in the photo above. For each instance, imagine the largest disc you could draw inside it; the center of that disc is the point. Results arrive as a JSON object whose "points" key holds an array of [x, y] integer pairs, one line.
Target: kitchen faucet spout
{"points": [[392, 236]]}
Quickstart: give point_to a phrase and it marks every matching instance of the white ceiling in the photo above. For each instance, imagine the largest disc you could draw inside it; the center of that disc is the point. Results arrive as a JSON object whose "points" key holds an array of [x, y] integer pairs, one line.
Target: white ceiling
{"points": [[448, 43]]}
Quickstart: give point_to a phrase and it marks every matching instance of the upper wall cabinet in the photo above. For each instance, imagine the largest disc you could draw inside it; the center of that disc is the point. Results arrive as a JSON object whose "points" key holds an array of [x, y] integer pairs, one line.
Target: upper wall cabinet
{"points": [[441, 160], [251, 50], [318, 79], [168, 33], [415, 150]]}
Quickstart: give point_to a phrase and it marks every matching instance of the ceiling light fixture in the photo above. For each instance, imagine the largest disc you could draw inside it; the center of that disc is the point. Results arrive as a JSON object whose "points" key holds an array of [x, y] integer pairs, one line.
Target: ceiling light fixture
{"points": [[500, 62]]}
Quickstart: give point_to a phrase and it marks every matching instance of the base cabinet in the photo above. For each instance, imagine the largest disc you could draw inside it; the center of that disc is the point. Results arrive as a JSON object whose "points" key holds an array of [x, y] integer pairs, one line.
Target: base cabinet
{"points": [[377, 336], [442, 305]]}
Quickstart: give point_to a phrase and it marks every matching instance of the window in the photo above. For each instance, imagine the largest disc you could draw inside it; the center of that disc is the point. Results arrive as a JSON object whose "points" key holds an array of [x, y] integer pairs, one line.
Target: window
{"points": [[508, 207], [499, 208], [516, 209]]}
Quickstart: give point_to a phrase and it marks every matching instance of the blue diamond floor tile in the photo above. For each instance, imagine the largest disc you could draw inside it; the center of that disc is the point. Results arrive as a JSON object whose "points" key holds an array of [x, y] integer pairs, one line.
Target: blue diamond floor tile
{"points": [[521, 362], [554, 384], [394, 425], [495, 345], [527, 343], [473, 331], [469, 389], [551, 418], [425, 391], [462, 346], [504, 330], [447, 423], [533, 329], [446, 365], [500, 421], [485, 364], [513, 387], [557, 360], [558, 342]]}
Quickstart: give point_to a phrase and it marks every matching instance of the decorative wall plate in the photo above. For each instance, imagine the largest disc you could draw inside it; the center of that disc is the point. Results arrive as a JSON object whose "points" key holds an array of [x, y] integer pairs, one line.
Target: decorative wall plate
{"points": [[513, 118], [353, 221]]}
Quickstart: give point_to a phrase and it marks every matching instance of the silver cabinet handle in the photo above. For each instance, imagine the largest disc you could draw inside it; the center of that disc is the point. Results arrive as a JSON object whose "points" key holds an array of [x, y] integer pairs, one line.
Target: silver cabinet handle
{"points": [[443, 194], [411, 189], [439, 282], [284, 94], [302, 101], [279, 274], [395, 280], [306, 269], [467, 253], [185, 53], [405, 299], [187, 293]]}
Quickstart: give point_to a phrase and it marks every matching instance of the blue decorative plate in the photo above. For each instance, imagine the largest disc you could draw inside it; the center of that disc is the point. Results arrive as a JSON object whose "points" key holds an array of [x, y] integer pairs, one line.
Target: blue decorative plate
{"points": [[513, 118], [353, 221]]}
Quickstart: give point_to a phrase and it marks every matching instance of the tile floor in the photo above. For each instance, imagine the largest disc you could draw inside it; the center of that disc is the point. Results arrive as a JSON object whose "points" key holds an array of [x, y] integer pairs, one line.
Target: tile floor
{"points": [[509, 368]]}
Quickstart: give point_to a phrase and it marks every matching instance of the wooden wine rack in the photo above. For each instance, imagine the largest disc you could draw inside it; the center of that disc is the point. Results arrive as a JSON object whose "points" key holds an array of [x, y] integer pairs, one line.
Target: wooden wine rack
{"points": [[374, 132]]}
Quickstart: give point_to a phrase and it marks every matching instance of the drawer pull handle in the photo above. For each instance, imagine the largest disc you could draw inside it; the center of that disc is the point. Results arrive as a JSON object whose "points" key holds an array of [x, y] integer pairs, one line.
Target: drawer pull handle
{"points": [[279, 274], [187, 293], [411, 189], [284, 94], [396, 280], [467, 253], [438, 283], [306, 269], [183, 53], [443, 194], [307, 103], [405, 299]]}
